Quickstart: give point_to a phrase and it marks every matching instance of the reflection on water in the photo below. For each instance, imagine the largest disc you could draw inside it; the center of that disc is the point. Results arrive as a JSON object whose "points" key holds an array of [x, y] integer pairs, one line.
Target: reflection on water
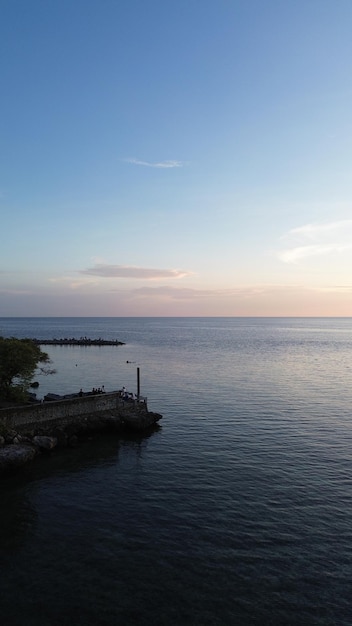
{"points": [[17, 516], [237, 510], [18, 513]]}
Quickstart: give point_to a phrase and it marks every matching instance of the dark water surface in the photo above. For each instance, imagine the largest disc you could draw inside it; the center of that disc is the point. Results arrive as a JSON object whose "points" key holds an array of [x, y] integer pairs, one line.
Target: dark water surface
{"points": [[237, 510]]}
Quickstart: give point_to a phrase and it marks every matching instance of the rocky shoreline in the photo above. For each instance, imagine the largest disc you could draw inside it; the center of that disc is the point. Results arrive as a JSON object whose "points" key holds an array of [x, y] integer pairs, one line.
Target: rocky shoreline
{"points": [[19, 447]]}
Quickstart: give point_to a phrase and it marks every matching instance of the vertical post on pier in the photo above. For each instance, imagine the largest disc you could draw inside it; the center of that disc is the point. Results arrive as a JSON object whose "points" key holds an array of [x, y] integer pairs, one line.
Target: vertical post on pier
{"points": [[138, 384]]}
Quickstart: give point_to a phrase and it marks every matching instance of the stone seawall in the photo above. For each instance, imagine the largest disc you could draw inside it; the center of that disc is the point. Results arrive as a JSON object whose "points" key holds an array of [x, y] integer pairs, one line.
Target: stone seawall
{"points": [[29, 430], [64, 412]]}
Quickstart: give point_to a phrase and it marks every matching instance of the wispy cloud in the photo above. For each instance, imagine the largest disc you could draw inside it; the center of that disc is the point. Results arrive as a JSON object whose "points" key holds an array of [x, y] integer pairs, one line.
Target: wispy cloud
{"points": [[126, 271], [16, 292], [293, 255], [335, 289], [71, 281], [159, 164], [189, 293], [316, 240], [312, 231]]}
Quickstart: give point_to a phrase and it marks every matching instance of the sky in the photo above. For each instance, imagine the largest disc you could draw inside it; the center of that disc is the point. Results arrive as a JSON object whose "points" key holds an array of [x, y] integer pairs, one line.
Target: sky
{"points": [[176, 158]]}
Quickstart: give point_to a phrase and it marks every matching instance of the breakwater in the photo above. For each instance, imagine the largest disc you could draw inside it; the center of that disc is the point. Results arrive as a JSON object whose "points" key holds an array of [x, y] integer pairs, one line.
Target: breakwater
{"points": [[82, 341], [29, 430]]}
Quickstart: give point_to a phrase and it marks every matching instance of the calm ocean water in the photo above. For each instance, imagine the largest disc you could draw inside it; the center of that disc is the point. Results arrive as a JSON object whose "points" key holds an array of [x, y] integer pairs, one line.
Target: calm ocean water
{"points": [[236, 511]]}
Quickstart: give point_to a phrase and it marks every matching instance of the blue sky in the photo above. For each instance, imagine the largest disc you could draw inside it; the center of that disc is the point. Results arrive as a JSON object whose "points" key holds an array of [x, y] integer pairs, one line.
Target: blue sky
{"points": [[188, 157]]}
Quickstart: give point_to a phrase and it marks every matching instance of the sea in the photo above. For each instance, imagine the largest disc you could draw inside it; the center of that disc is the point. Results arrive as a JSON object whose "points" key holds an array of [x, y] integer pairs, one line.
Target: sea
{"points": [[236, 510]]}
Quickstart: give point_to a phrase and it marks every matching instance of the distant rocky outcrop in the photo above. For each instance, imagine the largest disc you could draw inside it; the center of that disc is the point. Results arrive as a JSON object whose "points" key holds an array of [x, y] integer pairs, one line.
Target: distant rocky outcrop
{"points": [[82, 341]]}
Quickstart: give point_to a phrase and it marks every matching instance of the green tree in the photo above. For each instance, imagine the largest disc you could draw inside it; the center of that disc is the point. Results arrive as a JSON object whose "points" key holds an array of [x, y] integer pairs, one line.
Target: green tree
{"points": [[19, 360]]}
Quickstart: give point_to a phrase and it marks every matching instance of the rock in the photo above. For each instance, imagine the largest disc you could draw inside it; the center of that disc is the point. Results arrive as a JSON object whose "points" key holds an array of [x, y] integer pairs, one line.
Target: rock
{"points": [[52, 397], [73, 441], [25, 439], [10, 435], [14, 456], [43, 442], [2, 440], [61, 436], [141, 421]]}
